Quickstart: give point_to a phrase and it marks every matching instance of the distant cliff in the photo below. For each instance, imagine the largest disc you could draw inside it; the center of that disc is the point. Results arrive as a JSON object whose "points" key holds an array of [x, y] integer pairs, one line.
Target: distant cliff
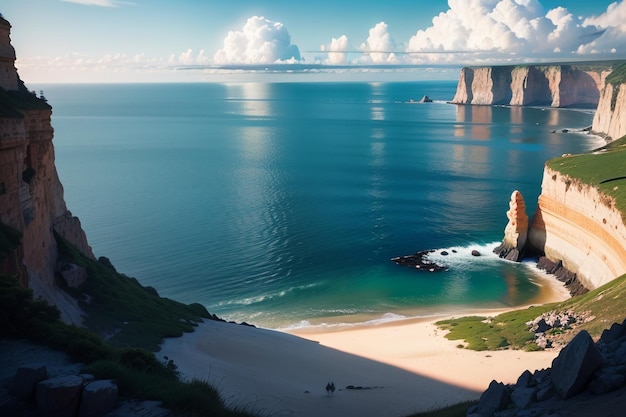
{"points": [[31, 195], [610, 117], [550, 85]]}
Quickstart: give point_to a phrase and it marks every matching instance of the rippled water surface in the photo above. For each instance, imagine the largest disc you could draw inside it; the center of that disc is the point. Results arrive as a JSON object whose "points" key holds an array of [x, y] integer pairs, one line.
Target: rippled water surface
{"points": [[283, 203]]}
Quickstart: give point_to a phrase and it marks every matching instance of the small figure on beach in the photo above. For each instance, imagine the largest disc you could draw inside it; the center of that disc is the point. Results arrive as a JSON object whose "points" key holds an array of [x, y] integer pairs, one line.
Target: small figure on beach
{"points": [[332, 388], [328, 389]]}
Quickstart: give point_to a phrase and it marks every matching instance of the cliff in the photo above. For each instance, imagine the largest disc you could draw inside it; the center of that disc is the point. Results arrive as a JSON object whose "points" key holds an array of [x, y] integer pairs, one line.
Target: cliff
{"points": [[551, 85], [582, 227], [31, 195], [610, 117]]}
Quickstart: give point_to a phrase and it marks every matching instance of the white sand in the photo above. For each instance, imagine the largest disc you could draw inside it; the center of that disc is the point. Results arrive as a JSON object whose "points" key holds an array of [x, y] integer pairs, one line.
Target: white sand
{"points": [[406, 366]]}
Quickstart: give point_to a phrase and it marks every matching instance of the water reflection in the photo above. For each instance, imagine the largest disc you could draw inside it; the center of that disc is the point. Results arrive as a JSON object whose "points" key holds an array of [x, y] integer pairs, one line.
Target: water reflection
{"points": [[253, 96], [475, 119]]}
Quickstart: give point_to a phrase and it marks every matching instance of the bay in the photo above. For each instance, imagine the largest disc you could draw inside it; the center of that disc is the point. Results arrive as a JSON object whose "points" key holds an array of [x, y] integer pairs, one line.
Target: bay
{"points": [[281, 204]]}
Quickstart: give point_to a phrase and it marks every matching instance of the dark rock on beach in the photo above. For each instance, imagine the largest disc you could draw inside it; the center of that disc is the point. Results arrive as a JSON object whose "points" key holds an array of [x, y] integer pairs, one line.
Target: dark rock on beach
{"points": [[420, 262]]}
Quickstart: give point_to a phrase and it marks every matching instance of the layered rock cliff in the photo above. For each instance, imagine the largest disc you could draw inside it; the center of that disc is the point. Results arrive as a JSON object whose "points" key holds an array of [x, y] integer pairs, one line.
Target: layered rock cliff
{"points": [[31, 195], [552, 85], [580, 226], [610, 117]]}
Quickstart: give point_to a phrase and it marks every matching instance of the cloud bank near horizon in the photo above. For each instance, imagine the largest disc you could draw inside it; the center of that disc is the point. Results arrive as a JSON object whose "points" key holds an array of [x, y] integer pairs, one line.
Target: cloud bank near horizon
{"points": [[470, 32]]}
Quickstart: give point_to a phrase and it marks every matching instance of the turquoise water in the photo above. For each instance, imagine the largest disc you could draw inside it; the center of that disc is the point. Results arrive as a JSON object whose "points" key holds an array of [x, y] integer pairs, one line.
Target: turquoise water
{"points": [[282, 204]]}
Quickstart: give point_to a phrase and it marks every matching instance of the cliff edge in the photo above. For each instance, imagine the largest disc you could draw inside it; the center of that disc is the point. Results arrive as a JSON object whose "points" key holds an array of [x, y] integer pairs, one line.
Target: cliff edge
{"points": [[610, 117], [537, 85], [31, 195]]}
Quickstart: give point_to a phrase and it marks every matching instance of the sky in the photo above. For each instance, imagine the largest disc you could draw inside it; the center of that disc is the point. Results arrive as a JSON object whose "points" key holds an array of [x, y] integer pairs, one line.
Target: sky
{"points": [[373, 40]]}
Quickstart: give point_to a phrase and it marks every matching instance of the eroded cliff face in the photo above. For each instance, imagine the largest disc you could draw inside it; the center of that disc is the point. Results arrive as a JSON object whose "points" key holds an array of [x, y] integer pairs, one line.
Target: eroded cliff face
{"points": [[610, 117], [31, 195], [555, 85], [580, 226]]}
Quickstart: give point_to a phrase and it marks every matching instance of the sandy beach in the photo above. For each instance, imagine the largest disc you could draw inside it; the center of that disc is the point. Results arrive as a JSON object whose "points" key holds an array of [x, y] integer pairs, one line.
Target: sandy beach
{"points": [[402, 367]]}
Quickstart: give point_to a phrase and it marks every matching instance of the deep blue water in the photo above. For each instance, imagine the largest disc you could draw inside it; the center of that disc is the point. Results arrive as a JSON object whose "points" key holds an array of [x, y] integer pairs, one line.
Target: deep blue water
{"points": [[278, 203]]}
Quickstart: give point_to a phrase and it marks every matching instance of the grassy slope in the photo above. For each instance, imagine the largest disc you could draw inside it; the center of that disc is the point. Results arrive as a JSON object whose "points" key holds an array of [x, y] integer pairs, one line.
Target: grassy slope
{"points": [[128, 313], [607, 304]]}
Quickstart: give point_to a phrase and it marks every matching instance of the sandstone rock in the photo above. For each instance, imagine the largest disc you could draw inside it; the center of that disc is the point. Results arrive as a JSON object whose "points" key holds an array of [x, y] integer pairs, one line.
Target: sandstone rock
{"points": [[26, 379], [426, 99], [59, 396], [576, 363], [516, 230], [98, 398], [495, 398], [610, 117]]}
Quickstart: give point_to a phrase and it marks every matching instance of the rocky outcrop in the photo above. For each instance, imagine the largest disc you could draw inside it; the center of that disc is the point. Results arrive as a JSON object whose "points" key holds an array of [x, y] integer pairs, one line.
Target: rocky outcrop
{"points": [[31, 195], [516, 230], [584, 372], [576, 224], [610, 117], [552, 85]]}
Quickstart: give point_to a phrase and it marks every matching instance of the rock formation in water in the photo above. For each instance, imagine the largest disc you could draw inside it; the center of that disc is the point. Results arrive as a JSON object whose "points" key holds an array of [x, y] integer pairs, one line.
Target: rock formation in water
{"points": [[550, 85], [516, 230], [31, 195]]}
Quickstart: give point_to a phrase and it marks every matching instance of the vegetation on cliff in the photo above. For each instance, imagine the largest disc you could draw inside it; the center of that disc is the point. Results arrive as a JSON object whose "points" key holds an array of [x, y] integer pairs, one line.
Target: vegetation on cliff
{"points": [[139, 374], [11, 102], [606, 305], [602, 169], [124, 311]]}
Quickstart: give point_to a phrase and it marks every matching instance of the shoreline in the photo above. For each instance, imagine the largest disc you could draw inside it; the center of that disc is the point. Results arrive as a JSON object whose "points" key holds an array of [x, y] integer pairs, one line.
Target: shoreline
{"points": [[397, 367]]}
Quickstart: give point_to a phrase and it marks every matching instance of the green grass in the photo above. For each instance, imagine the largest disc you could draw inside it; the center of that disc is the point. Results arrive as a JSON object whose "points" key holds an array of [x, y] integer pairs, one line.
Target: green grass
{"points": [[604, 170], [618, 76], [606, 304], [138, 373], [130, 314], [11, 102]]}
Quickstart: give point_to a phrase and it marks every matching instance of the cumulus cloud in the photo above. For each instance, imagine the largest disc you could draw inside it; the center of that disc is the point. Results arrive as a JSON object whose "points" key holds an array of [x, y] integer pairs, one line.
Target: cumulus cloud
{"points": [[613, 26], [512, 27], [379, 45], [260, 41], [337, 50]]}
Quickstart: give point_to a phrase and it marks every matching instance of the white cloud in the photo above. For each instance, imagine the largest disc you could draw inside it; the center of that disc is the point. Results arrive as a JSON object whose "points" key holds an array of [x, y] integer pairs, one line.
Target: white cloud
{"points": [[337, 50], [380, 45], [505, 28], [261, 41], [613, 38]]}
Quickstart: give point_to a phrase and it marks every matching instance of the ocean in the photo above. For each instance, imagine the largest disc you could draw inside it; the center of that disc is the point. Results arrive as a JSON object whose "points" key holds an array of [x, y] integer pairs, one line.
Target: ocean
{"points": [[282, 204]]}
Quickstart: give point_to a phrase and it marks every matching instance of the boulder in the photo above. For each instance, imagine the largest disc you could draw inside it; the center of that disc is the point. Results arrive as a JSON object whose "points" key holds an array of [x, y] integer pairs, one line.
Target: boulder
{"points": [[59, 396], [73, 275], [615, 332], [495, 398], [576, 363], [26, 379], [526, 379], [99, 397], [522, 397], [426, 99], [606, 382]]}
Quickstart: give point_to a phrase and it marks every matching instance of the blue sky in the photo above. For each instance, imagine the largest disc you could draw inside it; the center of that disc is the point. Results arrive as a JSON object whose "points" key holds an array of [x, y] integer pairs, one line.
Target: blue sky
{"points": [[194, 40]]}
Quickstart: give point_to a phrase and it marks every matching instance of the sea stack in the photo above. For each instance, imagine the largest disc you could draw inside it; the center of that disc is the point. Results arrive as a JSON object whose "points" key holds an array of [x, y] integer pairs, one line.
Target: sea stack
{"points": [[516, 231]]}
